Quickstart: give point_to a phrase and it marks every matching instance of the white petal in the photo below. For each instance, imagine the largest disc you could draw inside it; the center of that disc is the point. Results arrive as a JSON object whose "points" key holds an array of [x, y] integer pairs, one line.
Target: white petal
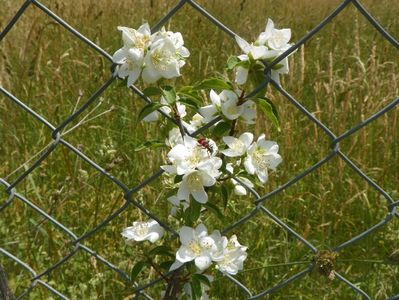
{"points": [[119, 56], [200, 196], [230, 109], [145, 29], [203, 262], [249, 167], [243, 44], [246, 138], [177, 264], [169, 169], [241, 75], [229, 168], [215, 98], [183, 192], [133, 76], [259, 52], [207, 180], [184, 254], [274, 160], [239, 190], [186, 234], [269, 27], [262, 175], [208, 112], [201, 230], [230, 153], [150, 75]]}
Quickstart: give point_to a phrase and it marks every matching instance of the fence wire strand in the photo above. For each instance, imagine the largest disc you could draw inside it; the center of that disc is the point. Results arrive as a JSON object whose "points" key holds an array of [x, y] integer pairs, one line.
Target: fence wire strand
{"points": [[260, 201]]}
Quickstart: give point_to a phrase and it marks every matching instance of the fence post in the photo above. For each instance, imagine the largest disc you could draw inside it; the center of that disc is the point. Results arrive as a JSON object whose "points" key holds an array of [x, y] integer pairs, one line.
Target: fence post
{"points": [[5, 292]]}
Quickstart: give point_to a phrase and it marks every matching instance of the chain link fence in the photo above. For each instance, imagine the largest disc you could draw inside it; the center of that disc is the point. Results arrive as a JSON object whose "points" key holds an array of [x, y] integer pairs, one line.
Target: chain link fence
{"points": [[260, 201]]}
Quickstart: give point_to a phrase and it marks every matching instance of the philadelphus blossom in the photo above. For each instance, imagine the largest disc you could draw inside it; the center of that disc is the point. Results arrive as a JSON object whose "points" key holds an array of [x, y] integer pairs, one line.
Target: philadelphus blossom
{"points": [[203, 249], [233, 257], [270, 44], [143, 231], [227, 103], [130, 57], [237, 146], [198, 167], [156, 56], [261, 156]]}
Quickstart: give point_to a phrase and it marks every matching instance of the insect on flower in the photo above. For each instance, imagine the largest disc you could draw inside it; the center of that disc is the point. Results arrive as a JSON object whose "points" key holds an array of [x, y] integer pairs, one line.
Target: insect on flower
{"points": [[205, 144]]}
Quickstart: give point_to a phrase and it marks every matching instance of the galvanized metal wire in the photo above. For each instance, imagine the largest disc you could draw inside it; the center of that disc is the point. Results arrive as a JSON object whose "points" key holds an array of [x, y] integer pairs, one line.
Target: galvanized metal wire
{"points": [[260, 201]]}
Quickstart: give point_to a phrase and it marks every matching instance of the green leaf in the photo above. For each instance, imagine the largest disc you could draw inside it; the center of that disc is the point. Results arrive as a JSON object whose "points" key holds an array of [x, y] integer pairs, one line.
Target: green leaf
{"points": [[202, 278], [194, 210], [214, 83], [149, 108], [166, 264], [214, 209], [221, 129], [232, 61], [149, 144], [196, 288], [161, 250], [189, 102], [178, 178], [137, 269], [225, 195], [169, 94], [152, 91], [270, 110]]}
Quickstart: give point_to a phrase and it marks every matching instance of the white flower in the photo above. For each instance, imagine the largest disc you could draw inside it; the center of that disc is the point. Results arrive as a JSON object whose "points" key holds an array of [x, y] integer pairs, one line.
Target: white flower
{"points": [[154, 116], [142, 231], [226, 102], [239, 189], [237, 147], [196, 245], [177, 40], [130, 61], [261, 156], [130, 57], [193, 183], [165, 57], [191, 155], [276, 39], [233, 257], [139, 39]]}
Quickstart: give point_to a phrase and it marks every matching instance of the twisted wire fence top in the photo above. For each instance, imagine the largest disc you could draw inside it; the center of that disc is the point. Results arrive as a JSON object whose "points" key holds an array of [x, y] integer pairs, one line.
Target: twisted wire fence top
{"points": [[260, 201]]}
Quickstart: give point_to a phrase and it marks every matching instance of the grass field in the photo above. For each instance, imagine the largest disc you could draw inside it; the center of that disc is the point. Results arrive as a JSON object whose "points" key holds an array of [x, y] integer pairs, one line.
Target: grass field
{"points": [[343, 75]]}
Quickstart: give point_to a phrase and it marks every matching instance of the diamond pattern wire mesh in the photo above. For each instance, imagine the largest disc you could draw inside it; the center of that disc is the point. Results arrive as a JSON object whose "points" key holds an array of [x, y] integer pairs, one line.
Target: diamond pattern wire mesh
{"points": [[260, 201]]}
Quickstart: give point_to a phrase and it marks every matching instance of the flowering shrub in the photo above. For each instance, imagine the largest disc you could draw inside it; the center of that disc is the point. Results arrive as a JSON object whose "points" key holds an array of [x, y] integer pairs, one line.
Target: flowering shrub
{"points": [[195, 166]]}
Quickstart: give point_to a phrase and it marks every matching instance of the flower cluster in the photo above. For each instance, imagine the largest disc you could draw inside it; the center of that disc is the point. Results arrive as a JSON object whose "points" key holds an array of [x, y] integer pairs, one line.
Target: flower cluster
{"points": [[153, 56], [203, 248], [270, 44], [200, 171], [198, 164], [143, 231]]}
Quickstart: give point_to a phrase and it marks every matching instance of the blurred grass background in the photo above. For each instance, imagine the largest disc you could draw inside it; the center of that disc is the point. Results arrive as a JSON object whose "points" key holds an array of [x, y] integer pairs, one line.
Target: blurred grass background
{"points": [[343, 75]]}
